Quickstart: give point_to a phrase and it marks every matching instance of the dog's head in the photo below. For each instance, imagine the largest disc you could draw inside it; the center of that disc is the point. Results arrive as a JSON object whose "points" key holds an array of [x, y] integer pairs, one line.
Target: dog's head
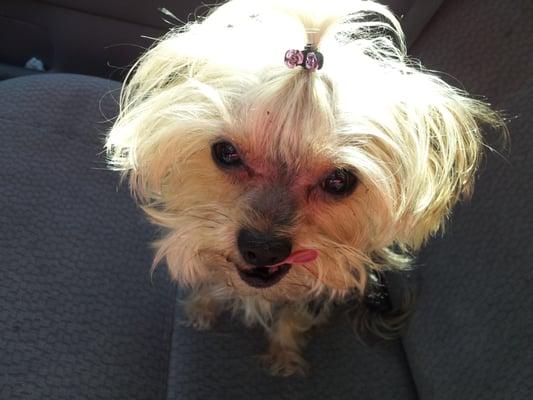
{"points": [[286, 181]]}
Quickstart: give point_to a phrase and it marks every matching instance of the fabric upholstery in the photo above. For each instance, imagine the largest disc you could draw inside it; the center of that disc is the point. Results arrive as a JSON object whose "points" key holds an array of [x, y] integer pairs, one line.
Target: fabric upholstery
{"points": [[79, 315], [471, 335]]}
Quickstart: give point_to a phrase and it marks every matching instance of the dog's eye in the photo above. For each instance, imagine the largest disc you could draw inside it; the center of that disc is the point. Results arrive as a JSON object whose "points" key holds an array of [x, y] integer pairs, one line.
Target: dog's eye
{"points": [[340, 182], [226, 155]]}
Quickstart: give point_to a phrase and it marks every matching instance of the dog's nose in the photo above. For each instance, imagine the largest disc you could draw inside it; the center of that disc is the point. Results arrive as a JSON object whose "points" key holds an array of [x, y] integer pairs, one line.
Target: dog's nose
{"points": [[262, 249]]}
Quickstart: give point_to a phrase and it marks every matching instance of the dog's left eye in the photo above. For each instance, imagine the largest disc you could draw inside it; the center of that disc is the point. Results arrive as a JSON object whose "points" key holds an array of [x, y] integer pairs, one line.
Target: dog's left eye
{"points": [[339, 182], [226, 155]]}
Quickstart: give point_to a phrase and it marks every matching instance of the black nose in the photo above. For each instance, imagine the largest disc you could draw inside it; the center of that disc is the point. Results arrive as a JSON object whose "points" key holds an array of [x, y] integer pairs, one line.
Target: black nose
{"points": [[262, 249]]}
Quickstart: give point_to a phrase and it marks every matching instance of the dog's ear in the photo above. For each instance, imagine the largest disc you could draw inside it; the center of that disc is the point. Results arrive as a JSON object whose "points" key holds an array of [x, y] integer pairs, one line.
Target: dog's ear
{"points": [[443, 145], [137, 135], [166, 112]]}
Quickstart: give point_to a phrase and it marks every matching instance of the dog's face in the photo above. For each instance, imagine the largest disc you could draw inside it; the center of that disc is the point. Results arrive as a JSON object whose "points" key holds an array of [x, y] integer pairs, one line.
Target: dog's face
{"points": [[257, 191], [291, 183]]}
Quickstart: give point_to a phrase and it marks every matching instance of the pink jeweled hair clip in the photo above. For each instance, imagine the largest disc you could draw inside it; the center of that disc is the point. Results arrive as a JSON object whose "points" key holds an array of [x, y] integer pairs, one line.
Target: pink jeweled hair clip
{"points": [[309, 59]]}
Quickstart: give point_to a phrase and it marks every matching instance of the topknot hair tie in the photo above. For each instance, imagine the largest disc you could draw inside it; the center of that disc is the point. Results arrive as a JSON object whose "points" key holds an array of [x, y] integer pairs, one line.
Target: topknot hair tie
{"points": [[309, 59]]}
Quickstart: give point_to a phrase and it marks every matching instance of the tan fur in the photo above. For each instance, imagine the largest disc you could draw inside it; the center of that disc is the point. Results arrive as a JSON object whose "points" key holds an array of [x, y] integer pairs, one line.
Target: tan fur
{"points": [[287, 338], [201, 308], [413, 140]]}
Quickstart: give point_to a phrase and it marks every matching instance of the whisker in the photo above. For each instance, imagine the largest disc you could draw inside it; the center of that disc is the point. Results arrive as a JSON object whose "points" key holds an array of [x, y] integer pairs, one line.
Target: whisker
{"points": [[203, 218], [300, 285], [222, 214], [193, 212], [309, 270]]}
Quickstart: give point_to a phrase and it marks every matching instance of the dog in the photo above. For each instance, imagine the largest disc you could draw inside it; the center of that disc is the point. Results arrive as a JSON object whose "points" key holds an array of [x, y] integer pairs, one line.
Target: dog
{"points": [[289, 150]]}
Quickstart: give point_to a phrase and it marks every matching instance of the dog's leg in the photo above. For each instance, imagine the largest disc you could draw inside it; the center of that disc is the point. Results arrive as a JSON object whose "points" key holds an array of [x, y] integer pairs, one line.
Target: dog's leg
{"points": [[201, 308], [288, 337]]}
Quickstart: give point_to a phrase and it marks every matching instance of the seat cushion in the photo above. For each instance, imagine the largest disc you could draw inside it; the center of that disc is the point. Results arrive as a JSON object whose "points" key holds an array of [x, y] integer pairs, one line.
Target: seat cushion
{"points": [[222, 364], [80, 316], [471, 335]]}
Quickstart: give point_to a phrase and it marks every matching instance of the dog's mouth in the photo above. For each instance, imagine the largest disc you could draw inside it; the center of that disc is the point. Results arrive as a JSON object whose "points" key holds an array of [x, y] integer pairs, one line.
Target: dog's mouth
{"points": [[266, 276], [263, 277]]}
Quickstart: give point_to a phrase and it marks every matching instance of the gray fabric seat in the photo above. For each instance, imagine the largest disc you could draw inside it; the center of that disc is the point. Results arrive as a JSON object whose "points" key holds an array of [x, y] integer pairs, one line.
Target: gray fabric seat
{"points": [[80, 316], [471, 335]]}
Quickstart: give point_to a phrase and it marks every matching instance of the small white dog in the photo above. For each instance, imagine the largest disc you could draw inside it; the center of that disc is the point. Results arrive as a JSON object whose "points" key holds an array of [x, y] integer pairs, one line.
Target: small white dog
{"points": [[289, 149]]}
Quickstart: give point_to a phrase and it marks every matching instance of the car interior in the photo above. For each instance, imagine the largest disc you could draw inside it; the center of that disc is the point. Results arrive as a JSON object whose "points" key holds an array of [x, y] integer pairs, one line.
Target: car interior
{"points": [[81, 316]]}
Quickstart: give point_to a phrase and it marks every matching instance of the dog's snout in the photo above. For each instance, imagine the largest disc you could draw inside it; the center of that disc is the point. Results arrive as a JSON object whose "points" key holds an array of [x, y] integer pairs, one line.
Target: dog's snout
{"points": [[262, 249]]}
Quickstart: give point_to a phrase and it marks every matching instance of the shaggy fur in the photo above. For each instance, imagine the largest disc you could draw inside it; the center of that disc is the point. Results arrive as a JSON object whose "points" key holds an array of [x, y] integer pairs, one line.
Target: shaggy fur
{"points": [[413, 142]]}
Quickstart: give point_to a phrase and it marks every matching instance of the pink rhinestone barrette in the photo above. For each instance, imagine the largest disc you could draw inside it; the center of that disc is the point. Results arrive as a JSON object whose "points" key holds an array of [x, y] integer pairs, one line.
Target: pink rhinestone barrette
{"points": [[309, 59]]}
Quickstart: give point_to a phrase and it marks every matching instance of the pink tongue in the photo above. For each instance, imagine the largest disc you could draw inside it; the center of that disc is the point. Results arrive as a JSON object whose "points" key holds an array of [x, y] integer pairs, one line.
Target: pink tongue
{"points": [[299, 257]]}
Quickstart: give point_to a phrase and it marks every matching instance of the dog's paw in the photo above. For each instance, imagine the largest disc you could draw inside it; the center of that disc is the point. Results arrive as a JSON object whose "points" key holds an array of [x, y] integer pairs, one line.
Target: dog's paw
{"points": [[200, 322], [199, 318], [283, 362]]}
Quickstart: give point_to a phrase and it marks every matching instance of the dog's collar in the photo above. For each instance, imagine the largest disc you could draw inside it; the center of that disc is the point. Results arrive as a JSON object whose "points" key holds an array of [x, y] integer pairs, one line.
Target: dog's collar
{"points": [[377, 296]]}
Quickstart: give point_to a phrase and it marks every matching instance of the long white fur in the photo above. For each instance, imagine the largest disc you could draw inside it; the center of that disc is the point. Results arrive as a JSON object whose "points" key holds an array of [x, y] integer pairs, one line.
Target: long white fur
{"points": [[414, 140]]}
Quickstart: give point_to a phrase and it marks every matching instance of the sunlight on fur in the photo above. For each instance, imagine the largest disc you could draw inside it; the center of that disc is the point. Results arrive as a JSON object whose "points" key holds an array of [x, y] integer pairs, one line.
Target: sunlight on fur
{"points": [[409, 141]]}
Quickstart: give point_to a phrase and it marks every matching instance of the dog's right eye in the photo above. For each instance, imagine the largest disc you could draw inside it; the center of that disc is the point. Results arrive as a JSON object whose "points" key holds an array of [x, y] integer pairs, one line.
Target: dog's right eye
{"points": [[226, 155]]}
